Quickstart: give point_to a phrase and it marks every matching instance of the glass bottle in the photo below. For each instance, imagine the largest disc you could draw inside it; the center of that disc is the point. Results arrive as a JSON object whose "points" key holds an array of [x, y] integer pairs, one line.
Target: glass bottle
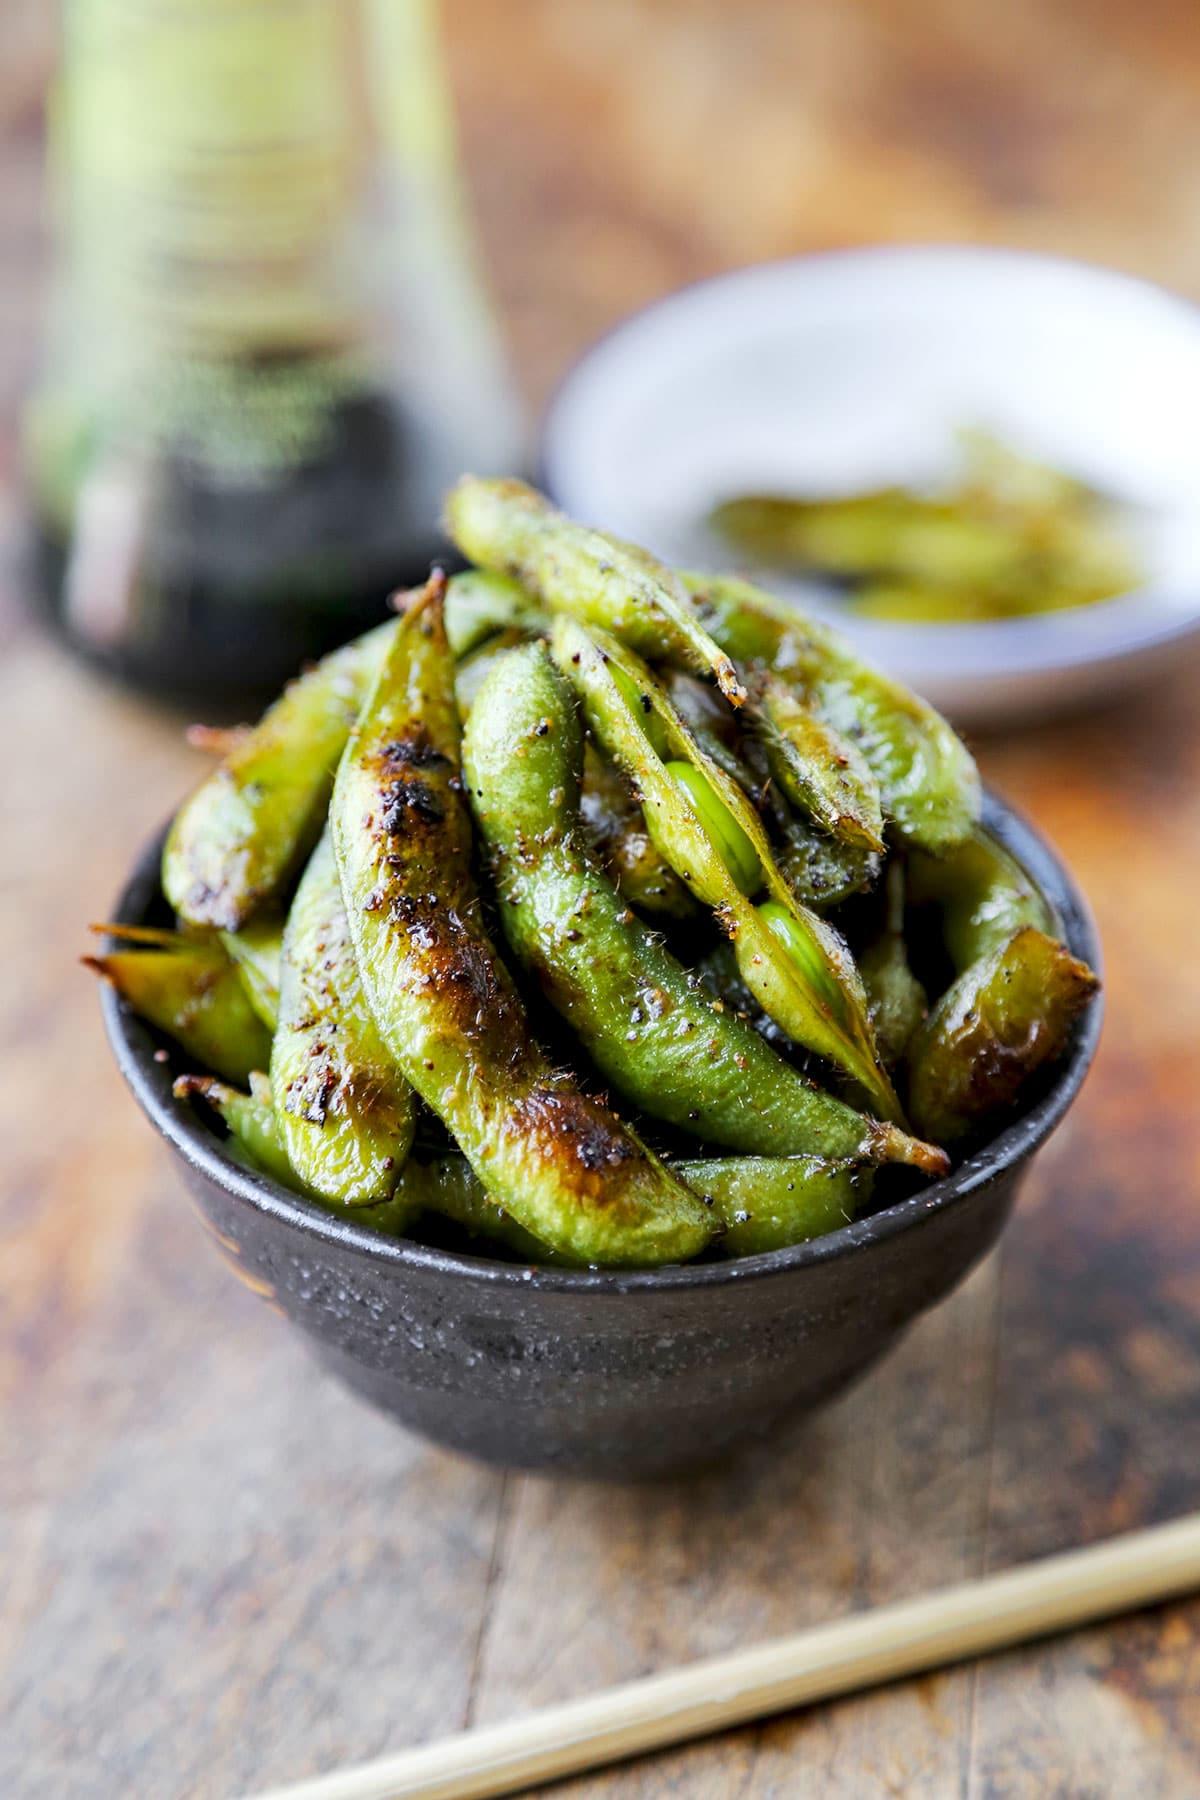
{"points": [[269, 350]]}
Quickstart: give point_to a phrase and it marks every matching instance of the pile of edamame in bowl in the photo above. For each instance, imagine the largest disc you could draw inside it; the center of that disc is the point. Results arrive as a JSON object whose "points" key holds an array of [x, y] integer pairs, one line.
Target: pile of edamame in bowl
{"points": [[597, 913]]}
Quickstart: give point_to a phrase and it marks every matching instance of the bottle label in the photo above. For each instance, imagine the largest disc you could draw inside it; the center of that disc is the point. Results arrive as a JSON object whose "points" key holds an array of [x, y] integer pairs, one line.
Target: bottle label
{"points": [[214, 157]]}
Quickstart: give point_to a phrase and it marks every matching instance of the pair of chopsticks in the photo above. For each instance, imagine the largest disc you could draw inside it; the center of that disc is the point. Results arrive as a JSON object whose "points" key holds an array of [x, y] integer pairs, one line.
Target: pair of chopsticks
{"points": [[1036, 1600]]}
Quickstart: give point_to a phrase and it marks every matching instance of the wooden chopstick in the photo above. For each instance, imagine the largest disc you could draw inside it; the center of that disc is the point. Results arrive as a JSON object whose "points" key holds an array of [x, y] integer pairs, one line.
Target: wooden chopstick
{"points": [[1032, 1601]]}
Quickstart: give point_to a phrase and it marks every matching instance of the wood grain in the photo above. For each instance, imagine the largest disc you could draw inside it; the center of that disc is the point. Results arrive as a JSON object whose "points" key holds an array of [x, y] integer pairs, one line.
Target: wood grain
{"points": [[218, 1572]]}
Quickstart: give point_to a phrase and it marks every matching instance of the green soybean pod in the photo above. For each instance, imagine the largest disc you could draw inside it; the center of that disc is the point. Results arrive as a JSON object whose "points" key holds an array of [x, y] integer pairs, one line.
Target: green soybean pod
{"points": [[189, 988], [820, 770], [982, 895], [764, 1203], [809, 985], [346, 1112], [247, 828], [615, 826], [509, 528], [647, 1025], [559, 1161], [249, 1119], [479, 604], [927, 778], [1006, 1016], [768, 1203], [255, 949], [256, 1141], [897, 999], [819, 868]]}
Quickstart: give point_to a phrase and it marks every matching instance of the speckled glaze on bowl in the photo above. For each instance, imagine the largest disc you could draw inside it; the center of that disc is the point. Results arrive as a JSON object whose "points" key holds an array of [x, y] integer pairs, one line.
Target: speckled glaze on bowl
{"points": [[605, 1374]]}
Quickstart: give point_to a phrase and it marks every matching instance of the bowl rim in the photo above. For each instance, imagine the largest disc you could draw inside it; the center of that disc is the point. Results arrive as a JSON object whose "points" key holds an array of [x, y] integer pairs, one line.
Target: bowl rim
{"points": [[134, 1045], [1106, 630]]}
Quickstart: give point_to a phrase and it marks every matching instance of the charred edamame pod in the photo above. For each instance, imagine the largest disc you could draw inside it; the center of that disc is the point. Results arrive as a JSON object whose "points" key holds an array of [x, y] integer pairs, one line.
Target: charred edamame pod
{"points": [[797, 968], [256, 1139], [189, 988], [1006, 1016], [1016, 993], [445, 1185], [559, 1161], [508, 527], [346, 1112], [249, 825], [647, 1025], [764, 1202], [927, 779]]}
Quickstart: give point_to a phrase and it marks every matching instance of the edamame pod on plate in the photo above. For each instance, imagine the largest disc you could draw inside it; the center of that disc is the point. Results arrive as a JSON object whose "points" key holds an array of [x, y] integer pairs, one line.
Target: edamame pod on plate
{"points": [[508, 527], [927, 778], [559, 1161], [245, 831], [647, 1025], [796, 966], [346, 1112]]}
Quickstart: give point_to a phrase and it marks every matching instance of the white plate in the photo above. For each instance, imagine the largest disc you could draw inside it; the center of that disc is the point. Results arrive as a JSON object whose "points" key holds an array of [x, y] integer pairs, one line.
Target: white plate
{"points": [[838, 373]]}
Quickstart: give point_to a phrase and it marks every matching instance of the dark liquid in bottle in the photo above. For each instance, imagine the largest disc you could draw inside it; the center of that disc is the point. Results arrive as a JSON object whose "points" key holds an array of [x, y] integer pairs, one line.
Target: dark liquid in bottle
{"points": [[219, 590]]}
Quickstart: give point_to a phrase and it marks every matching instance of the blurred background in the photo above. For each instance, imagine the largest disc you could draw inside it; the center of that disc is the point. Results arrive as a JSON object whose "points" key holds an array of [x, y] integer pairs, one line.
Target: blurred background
{"points": [[196, 1552]]}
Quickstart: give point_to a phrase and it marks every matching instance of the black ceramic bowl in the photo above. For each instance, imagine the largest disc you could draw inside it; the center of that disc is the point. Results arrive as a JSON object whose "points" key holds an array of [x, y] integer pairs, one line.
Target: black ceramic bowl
{"points": [[619, 1374]]}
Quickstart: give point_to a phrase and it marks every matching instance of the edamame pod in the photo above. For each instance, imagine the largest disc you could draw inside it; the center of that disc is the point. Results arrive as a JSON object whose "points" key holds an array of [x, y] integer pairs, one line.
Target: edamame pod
{"points": [[616, 830], [246, 829], [472, 668], [765, 1202], [820, 869], [445, 1184], [1004, 1018], [558, 1160], [253, 1125], [256, 950], [508, 527], [888, 532], [810, 985], [190, 989], [479, 604], [819, 770], [346, 1113], [928, 781], [249, 1119], [770, 1202], [646, 1024], [897, 1000], [982, 895]]}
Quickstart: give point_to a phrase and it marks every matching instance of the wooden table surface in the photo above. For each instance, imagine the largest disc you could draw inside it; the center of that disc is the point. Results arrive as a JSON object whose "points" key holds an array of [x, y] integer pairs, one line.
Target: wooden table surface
{"points": [[217, 1570]]}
